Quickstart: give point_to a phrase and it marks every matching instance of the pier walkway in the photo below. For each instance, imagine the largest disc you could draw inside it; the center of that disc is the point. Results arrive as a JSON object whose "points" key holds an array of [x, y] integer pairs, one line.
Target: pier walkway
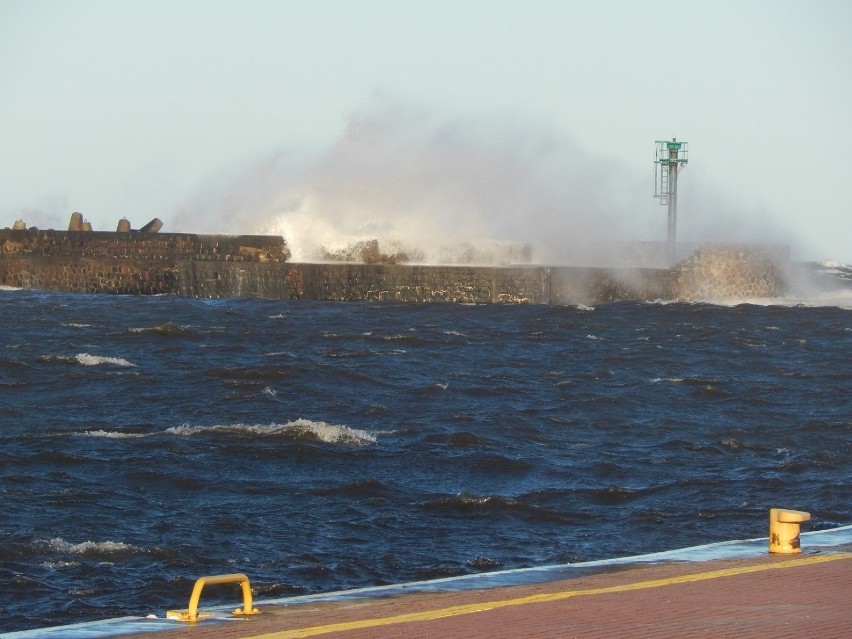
{"points": [[765, 596], [723, 589]]}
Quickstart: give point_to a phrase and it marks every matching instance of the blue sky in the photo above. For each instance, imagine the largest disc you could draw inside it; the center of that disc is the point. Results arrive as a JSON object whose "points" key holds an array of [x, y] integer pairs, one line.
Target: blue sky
{"points": [[333, 120]]}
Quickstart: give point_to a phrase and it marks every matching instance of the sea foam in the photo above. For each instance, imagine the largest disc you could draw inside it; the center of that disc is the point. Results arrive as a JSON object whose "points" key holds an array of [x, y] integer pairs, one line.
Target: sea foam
{"points": [[96, 360], [300, 429], [111, 434], [91, 548]]}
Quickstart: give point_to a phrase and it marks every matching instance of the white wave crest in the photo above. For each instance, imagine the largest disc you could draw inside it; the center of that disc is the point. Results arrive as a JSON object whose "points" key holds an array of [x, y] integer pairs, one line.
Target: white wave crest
{"points": [[59, 565], [95, 360], [836, 265], [59, 545], [333, 433], [298, 429], [111, 434]]}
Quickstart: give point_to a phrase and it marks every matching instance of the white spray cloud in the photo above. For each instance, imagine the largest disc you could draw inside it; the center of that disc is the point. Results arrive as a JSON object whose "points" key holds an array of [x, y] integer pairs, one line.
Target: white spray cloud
{"points": [[426, 183]]}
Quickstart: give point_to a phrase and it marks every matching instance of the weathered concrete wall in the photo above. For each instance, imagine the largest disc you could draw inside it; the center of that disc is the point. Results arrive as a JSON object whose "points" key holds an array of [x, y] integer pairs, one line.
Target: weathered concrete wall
{"points": [[87, 275], [731, 272], [589, 286], [150, 246], [255, 266], [404, 283], [266, 280], [335, 282]]}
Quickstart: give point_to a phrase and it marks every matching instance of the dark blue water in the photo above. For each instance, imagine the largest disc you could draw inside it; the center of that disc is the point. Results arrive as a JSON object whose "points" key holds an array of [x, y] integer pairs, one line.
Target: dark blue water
{"points": [[146, 441]]}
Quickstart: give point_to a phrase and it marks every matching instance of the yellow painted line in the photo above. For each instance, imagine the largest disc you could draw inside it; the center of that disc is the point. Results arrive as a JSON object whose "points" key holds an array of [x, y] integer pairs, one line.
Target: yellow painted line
{"points": [[467, 609]]}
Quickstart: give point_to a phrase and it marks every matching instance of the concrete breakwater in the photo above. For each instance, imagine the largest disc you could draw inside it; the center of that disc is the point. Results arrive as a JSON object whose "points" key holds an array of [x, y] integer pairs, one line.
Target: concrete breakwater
{"points": [[214, 266]]}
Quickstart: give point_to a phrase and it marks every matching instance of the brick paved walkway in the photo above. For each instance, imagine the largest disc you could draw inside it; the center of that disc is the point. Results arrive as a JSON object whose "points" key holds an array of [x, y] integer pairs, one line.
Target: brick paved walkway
{"points": [[769, 596]]}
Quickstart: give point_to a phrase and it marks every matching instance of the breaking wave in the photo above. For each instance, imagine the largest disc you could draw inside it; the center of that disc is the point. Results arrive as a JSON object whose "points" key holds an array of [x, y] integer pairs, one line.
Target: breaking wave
{"points": [[111, 434], [96, 360], [299, 430], [87, 359], [92, 549], [167, 329]]}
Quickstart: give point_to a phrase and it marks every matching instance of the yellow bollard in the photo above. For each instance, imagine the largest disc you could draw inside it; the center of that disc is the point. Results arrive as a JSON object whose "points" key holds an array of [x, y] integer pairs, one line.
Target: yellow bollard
{"points": [[784, 530]]}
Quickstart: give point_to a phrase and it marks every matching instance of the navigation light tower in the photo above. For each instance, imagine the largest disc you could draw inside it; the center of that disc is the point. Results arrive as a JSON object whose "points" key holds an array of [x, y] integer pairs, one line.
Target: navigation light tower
{"points": [[669, 160]]}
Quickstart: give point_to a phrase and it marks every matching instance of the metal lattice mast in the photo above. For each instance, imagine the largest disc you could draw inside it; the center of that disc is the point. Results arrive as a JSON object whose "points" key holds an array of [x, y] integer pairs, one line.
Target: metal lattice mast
{"points": [[670, 158]]}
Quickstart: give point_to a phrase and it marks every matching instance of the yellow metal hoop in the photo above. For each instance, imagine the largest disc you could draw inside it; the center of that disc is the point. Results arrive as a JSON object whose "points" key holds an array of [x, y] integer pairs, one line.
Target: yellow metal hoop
{"points": [[191, 614]]}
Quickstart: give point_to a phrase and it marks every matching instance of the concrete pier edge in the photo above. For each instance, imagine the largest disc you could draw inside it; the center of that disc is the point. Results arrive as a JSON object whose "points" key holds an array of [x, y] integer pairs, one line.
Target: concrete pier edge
{"points": [[833, 540], [218, 266]]}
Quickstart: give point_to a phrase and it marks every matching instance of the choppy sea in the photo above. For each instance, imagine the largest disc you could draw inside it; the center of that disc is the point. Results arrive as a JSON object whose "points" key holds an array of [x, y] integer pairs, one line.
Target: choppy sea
{"points": [[147, 441]]}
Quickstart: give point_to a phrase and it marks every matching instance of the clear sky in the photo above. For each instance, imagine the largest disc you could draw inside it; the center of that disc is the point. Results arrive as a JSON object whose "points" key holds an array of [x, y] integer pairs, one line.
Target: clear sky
{"points": [[326, 120]]}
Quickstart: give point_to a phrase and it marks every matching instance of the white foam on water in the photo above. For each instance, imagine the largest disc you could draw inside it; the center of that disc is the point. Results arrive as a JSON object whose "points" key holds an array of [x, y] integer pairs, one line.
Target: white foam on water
{"points": [[60, 565], [96, 360], [837, 299], [332, 433], [840, 299], [833, 267], [322, 431], [57, 544], [110, 434]]}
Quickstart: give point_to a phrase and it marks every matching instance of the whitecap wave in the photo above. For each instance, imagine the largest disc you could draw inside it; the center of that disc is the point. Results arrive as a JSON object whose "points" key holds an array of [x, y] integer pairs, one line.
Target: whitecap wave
{"points": [[838, 299], [87, 359], [300, 429], [60, 565], [834, 267], [97, 548], [333, 433], [111, 434], [96, 360]]}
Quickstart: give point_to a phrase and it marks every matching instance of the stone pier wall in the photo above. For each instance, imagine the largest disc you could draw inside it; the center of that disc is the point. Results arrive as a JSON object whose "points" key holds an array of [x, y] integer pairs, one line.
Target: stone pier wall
{"points": [[256, 266], [732, 272], [148, 246], [133, 263], [405, 283]]}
